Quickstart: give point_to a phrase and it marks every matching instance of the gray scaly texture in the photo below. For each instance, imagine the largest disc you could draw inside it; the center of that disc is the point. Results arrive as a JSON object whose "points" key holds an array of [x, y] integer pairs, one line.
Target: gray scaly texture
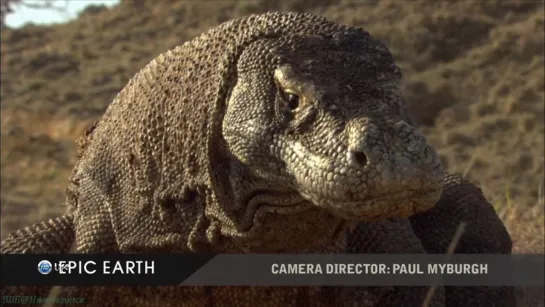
{"points": [[280, 132]]}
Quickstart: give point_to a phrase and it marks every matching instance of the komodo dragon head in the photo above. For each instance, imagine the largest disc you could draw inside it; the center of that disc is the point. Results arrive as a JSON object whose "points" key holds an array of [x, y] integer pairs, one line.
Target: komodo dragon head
{"points": [[324, 116]]}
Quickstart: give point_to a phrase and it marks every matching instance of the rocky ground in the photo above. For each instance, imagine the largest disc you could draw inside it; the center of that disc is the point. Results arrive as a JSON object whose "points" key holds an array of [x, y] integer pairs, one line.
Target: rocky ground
{"points": [[474, 74]]}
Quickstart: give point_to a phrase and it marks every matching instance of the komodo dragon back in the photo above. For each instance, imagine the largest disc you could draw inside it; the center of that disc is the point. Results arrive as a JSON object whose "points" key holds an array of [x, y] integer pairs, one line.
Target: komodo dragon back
{"points": [[278, 132]]}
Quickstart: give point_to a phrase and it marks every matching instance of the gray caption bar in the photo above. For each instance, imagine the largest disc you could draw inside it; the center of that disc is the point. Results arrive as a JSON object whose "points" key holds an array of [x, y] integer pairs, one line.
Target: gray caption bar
{"points": [[370, 270]]}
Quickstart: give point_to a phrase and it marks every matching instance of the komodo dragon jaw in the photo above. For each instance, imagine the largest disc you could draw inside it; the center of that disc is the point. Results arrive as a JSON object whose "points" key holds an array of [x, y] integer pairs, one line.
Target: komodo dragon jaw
{"points": [[335, 130]]}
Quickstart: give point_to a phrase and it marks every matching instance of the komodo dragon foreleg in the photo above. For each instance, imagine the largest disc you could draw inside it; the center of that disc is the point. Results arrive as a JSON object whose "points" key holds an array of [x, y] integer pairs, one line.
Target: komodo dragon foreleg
{"points": [[54, 236], [484, 233], [58, 236], [432, 232], [392, 236]]}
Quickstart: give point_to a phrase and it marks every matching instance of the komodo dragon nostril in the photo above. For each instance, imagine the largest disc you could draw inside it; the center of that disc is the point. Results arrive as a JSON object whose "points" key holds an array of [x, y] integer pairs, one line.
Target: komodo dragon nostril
{"points": [[357, 158]]}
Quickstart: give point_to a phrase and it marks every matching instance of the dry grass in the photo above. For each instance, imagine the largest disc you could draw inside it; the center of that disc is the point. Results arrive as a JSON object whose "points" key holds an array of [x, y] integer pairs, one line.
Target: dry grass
{"points": [[450, 250]]}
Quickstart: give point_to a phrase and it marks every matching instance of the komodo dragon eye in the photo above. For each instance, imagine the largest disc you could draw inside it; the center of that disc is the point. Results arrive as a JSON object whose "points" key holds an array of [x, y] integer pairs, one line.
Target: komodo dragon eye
{"points": [[292, 100]]}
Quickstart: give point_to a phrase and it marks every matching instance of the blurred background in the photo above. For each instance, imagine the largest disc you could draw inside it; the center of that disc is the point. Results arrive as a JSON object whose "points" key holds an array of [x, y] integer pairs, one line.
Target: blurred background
{"points": [[474, 74]]}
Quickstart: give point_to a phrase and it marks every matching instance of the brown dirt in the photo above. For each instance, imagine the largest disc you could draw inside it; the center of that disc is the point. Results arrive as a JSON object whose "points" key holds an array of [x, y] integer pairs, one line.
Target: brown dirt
{"points": [[474, 81]]}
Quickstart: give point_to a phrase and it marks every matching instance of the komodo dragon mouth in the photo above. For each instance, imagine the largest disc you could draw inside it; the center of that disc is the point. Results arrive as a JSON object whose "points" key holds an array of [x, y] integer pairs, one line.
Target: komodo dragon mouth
{"points": [[324, 116], [382, 188]]}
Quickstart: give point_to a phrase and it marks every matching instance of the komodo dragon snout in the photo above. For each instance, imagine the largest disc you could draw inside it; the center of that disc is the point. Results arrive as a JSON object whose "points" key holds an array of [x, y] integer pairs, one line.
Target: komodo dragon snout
{"points": [[324, 116]]}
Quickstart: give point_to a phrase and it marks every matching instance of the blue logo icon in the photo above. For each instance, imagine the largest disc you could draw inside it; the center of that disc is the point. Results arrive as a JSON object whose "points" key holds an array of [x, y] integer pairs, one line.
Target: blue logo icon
{"points": [[44, 267]]}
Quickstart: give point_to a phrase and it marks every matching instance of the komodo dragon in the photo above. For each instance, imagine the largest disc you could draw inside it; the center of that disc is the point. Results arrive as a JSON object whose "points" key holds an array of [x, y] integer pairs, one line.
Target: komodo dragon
{"points": [[276, 133]]}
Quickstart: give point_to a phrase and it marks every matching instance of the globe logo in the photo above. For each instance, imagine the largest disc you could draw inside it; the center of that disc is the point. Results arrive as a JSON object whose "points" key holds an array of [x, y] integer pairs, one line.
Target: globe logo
{"points": [[44, 267]]}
